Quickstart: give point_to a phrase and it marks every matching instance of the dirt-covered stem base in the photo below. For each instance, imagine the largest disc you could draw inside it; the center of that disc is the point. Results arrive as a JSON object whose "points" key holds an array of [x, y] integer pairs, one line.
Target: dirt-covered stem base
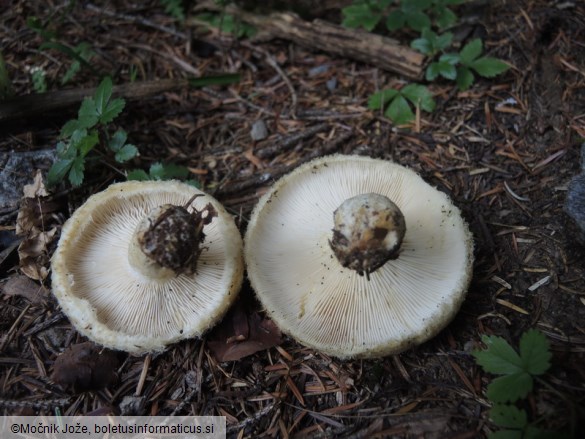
{"points": [[368, 231], [167, 241]]}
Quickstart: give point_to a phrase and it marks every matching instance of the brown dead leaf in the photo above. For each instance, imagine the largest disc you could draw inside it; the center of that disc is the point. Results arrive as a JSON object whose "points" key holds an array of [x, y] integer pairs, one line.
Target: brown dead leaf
{"points": [[19, 285], [33, 254], [84, 367], [36, 188], [243, 333]]}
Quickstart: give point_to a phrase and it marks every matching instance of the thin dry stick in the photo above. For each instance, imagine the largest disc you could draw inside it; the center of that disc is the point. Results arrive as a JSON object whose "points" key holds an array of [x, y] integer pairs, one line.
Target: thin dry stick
{"points": [[143, 374]]}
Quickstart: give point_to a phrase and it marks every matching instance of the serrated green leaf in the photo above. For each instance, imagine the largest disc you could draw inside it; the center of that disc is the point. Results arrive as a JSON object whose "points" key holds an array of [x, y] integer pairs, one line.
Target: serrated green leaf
{"points": [[87, 115], [535, 352], [419, 95], [506, 434], [443, 41], [71, 72], [157, 171], [58, 171], [423, 45], [471, 51], [360, 15], [489, 67], [378, 100], [450, 58], [126, 153], [510, 388], [138, 175], [499, 357], [433, 70], [418, 20], [444, 17], [67, 51], [76, 172], [175, 171], [395, 20], [102, 95], [509, 416], [69, 127], [448, 70], [464, 78], [113, 109], [399, 111], [87, 142], [118, 140]]}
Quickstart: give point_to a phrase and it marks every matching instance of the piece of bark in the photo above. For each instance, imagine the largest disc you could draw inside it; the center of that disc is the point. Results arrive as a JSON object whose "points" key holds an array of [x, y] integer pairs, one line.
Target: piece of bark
{"points": [[385, 53], [36, 104]]}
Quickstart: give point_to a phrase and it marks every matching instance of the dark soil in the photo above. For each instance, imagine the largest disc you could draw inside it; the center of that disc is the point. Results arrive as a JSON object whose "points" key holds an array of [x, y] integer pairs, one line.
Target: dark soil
{"points": [[505, 151]]}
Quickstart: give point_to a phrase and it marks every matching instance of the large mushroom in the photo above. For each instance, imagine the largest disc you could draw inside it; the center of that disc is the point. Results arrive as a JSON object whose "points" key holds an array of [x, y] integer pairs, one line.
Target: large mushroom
{"points": [[145, 264], [358, 257]]}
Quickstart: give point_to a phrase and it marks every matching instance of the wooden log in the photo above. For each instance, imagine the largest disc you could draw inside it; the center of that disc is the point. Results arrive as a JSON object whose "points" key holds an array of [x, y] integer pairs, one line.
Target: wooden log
{"points": [[370, 48], [27, 106]]}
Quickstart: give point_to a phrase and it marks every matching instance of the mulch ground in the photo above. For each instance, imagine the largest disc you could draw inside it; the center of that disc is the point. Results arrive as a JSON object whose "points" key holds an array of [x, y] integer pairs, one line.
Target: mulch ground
{"points": [[505, 151]]}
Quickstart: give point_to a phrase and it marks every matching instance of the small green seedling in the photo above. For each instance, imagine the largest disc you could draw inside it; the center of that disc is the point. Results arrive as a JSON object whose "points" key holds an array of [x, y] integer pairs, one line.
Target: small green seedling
{"points": [[396, 102], [80, 136], [517, 370]]}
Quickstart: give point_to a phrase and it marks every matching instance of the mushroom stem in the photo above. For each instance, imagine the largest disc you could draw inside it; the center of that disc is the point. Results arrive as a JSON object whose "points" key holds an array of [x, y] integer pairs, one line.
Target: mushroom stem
{"points": [[167, 241], [368, 231]]}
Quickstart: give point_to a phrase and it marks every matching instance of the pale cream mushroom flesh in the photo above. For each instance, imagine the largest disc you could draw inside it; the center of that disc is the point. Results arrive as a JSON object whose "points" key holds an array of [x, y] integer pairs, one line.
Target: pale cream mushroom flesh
{"points": [[142, 265], [358, 257]]}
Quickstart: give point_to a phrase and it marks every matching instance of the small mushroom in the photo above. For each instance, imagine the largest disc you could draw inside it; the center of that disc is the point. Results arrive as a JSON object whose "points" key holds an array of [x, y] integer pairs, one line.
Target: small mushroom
{"points": [[358, 257], [142, 265]]}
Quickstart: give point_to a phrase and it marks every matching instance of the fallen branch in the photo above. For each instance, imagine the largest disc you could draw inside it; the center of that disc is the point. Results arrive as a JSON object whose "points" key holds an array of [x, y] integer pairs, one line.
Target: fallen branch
{"points": [[37, 104], [383, 52]]}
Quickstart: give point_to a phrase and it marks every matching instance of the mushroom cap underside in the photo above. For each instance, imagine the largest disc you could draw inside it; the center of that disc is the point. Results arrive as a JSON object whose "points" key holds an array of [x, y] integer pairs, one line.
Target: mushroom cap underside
{"points": [[115, 305], [312, 297]]}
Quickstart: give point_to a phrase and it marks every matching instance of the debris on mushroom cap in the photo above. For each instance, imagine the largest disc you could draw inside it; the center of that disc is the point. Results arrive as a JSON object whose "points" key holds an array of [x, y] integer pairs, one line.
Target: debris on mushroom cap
{"points": [[307, 290], [121, 296]]}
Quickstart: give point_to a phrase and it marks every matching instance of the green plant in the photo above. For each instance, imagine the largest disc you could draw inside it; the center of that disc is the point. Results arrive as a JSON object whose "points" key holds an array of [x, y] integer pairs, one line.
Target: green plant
{"points": [[174, 8], [470, 59], [160, 171], [430, 43], [80, 136], [39, 79], [413, 14], [396, 102], [81, 54], [364, 14], [228, 24], [518, 371]]}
